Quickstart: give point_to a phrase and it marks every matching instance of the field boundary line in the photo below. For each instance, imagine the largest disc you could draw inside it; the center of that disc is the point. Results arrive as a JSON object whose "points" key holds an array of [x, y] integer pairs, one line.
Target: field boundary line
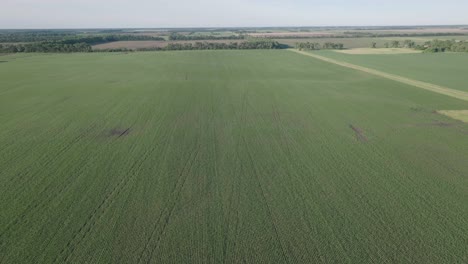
{"points": [[423, 85]]}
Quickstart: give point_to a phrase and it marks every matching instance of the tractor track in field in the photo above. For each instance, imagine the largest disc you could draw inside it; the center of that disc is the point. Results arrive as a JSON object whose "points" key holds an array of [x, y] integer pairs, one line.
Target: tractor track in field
{"points": [[262, 191], [266, 204], [166, 212], [419, 84], [99, 211], [176, 193], [34, 205]]}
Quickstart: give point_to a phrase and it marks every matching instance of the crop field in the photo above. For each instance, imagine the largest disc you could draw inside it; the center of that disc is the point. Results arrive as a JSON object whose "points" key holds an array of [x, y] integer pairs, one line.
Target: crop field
{"points": [[264, 156], [449, 69]]}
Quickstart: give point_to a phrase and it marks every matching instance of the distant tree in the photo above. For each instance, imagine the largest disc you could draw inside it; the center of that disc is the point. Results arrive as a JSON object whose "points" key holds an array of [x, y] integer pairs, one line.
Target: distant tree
{"points": [[443, 46], [386, 45], [409, 44], [317, 46], [395, 44], [374, 45]]}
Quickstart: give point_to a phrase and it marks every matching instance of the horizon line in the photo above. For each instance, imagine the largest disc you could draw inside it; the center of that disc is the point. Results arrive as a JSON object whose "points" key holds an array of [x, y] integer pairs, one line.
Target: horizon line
{"points": [[241, 27]]}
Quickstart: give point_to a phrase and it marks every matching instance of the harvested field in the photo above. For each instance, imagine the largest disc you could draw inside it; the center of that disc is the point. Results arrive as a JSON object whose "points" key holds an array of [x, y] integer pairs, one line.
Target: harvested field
{"points": [[425, 30], [291, 34], [461, 115], [381, 51]]}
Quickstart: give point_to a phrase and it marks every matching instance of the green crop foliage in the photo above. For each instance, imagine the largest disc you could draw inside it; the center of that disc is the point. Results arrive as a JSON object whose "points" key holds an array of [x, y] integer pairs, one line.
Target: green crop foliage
{"points": [[262, 156], [448, 70]]}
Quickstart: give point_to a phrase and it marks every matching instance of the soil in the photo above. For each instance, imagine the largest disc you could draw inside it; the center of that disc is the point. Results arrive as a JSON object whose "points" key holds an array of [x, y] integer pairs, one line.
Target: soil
{"points": [[360, 136], [119, 132]]}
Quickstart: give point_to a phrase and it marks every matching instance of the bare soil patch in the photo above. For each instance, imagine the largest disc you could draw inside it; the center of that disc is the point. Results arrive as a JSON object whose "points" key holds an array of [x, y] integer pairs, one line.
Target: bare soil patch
{"points": [[360, 136], [461, 115], [119, 132], [383, 51]]}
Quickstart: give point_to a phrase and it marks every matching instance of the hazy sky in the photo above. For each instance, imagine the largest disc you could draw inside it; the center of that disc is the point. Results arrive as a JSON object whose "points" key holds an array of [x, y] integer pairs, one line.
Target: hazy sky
{"points": [[217, 13]]}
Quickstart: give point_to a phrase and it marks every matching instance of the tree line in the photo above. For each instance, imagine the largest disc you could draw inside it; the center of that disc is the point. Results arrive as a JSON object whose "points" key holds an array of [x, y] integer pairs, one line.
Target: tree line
{"points": [[429, 46], [70, 44], [59, 47], [45, 47], [33, 36], [380, 35], [70, 38], [252, 44], [444, 46], [363, 35], [397, 44], [93, 40], [318, 46]]}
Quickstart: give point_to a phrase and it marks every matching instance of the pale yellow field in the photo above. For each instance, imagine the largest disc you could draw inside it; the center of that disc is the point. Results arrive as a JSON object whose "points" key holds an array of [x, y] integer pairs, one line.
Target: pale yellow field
{"points": [[461, 115], [361, 51]]}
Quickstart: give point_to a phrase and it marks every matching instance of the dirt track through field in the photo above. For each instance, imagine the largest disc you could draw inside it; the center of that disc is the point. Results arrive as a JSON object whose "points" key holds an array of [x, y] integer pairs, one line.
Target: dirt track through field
{"points": [[423, 85]]}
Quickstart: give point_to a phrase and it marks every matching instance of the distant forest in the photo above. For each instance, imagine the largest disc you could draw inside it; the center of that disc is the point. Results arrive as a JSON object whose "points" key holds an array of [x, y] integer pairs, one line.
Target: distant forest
{"points": [[433, 46], [53, 41], [69, 38], [444, 46], [65, 41], [250, 44], [318, 46], [67, 47]]}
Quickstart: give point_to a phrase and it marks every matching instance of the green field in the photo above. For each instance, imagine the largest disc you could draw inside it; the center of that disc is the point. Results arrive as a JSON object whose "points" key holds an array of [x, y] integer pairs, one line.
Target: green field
{"points": [[447, 69], [226, 157]]}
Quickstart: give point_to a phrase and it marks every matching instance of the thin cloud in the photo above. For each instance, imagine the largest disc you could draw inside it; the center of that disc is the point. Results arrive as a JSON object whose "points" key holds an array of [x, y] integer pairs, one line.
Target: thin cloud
{"points": [[206, 13]]}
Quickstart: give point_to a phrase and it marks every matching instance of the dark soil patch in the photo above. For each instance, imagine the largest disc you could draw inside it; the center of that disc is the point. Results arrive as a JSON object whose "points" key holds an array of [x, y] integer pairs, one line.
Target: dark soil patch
{"points": [[360, 136], [435, 124], [119, 132], [441, 124], [416, 109]]}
